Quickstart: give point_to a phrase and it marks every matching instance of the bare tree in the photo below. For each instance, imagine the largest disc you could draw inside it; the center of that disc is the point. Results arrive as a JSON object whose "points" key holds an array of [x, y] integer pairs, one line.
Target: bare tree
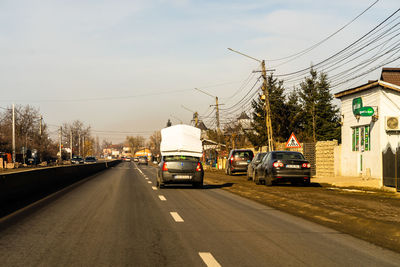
{"points": [[155, 142], [135, 143]]}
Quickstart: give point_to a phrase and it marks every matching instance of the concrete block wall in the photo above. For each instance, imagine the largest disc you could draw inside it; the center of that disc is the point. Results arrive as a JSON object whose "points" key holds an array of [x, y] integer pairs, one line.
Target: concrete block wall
{"points": [[325, 158]]}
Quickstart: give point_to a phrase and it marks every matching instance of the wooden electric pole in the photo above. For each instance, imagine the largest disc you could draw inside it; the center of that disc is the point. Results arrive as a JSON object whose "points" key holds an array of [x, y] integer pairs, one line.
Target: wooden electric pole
{"points": [[267, 108], [268, 123]]}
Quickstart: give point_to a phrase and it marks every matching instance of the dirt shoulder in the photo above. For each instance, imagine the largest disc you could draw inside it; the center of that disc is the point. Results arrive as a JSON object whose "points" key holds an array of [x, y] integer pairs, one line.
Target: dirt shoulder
{"points": [[371, 215]]}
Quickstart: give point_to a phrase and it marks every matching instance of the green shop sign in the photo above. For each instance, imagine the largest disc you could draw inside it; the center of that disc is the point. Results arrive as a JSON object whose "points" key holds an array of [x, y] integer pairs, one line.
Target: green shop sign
{"points": [[357, 104], [360, 110], [366, 111]]}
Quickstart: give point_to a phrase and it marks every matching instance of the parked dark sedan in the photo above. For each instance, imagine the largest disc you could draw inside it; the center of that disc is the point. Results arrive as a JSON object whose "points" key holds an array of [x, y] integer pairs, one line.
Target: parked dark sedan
{"points": [[238, 160], [77, 160], [283, 166], [90, 160], [180, 170], [253, 164]]}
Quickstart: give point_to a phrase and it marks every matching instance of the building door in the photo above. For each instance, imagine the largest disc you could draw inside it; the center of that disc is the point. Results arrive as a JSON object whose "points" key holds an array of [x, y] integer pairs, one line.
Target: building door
{"points": [[391, 167]]}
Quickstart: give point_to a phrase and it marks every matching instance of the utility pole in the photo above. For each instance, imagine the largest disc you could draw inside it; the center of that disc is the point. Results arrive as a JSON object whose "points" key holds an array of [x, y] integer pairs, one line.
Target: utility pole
{"points": [[60, 143], [40, 138], [40, 126], [83, 147], [13, 133], [216, 111], [79, 143], [196, 119], [265, 95], [217, 114], [70, 141], [267, 108], [195, 115]]}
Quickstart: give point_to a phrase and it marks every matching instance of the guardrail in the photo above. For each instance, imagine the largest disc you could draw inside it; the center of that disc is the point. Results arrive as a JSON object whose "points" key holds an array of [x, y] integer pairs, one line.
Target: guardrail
{"points": [[18, 187]]}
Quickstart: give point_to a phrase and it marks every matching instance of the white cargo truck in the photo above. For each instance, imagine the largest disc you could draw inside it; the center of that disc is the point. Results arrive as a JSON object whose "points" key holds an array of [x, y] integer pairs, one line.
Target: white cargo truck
{"points": [[181, 151]]}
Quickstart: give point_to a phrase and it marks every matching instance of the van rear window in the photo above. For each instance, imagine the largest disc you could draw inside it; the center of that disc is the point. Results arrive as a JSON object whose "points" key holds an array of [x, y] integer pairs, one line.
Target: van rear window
{"points": [[245, 155], [181, 158]]}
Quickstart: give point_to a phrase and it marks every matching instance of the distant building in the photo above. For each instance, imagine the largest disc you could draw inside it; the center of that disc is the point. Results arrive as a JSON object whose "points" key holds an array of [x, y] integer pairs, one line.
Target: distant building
{"points": [[244, 121]]}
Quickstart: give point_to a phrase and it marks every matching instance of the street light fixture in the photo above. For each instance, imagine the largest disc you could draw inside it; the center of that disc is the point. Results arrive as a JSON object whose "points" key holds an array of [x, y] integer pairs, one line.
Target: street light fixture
{"points": [[266, 94]]}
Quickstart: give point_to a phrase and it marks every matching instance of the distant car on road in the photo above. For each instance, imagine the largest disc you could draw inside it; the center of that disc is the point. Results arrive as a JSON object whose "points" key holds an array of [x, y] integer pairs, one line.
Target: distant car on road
{"points": [[238, 160], [127, 159], [143, 160], [283, 166], [254, 163], [90, 160], [77, 160], [180, 170], [135, 159]]}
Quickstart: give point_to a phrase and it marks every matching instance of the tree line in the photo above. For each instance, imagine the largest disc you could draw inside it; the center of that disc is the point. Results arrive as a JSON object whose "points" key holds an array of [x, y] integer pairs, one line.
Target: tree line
{"points": [[32, 136]]}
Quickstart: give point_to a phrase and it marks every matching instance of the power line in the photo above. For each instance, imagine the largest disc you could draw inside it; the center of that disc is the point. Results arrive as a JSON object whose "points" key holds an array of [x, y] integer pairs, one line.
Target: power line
{"points": [[341, 51], [305, 51]]}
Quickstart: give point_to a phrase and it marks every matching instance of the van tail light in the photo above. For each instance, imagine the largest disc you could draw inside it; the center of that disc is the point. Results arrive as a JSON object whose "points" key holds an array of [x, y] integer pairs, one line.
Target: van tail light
{"points": [[306, 165], [164, 167], [231, 159], [198, 169], [277, 164]]}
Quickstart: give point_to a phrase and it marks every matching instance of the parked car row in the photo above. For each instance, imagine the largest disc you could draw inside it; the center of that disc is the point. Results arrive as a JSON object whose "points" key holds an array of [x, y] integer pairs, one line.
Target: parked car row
{"points": [[270, 167], [80, 160]]}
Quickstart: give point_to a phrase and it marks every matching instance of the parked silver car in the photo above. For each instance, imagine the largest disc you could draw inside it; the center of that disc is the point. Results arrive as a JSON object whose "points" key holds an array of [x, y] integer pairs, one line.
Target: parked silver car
{"points": [[253, 165]]}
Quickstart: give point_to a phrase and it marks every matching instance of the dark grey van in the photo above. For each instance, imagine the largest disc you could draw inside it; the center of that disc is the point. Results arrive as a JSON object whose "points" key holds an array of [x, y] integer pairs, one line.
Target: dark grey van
{"points": [[238, 160]]}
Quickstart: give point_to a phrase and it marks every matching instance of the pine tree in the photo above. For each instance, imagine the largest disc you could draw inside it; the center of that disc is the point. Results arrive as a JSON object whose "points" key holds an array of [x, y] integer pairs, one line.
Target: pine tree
{"points": [[320, 119], [293, 115], [258, 137]]}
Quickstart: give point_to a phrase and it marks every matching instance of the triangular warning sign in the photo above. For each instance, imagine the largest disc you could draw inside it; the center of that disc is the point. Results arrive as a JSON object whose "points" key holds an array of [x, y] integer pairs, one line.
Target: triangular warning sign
{"points": [[292, 142]]}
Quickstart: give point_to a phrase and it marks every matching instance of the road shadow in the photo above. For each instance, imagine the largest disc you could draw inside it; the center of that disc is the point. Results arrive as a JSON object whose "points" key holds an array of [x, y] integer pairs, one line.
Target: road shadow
{"points": [[206, 186], [297, 185]]}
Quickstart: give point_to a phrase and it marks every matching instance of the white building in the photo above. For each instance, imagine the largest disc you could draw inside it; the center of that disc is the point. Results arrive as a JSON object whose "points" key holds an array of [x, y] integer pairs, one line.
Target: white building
{"points": [[366, 136]]}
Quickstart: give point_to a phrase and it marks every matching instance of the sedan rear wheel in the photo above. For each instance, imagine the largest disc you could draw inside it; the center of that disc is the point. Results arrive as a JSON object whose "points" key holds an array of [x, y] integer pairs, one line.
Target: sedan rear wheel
{"points": [[268, 180], [249, 178]]}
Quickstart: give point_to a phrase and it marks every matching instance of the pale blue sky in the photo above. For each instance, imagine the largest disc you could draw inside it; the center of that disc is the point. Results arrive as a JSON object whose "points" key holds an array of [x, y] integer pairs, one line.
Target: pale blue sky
{"points": [[129, 65]]}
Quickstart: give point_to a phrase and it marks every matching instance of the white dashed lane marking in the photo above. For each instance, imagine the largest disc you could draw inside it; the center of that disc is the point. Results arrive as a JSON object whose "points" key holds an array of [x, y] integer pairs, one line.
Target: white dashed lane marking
{"points": [[149, 182], [176, 217], [162, 198], [154, 188], [209, 259]]}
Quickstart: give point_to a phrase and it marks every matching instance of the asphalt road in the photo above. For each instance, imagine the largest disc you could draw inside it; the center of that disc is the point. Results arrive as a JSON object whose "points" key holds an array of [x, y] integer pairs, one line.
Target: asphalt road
{"points": [[119, 218]]}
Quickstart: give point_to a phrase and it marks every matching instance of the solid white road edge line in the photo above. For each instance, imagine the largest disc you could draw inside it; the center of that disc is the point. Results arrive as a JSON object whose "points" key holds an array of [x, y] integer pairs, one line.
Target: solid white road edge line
{"points": [[162, 198], [209, 260], [176, 217]]}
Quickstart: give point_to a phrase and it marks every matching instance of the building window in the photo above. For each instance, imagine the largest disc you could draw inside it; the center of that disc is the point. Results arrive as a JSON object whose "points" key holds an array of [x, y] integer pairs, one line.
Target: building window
{"points": [[361, 140]]}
